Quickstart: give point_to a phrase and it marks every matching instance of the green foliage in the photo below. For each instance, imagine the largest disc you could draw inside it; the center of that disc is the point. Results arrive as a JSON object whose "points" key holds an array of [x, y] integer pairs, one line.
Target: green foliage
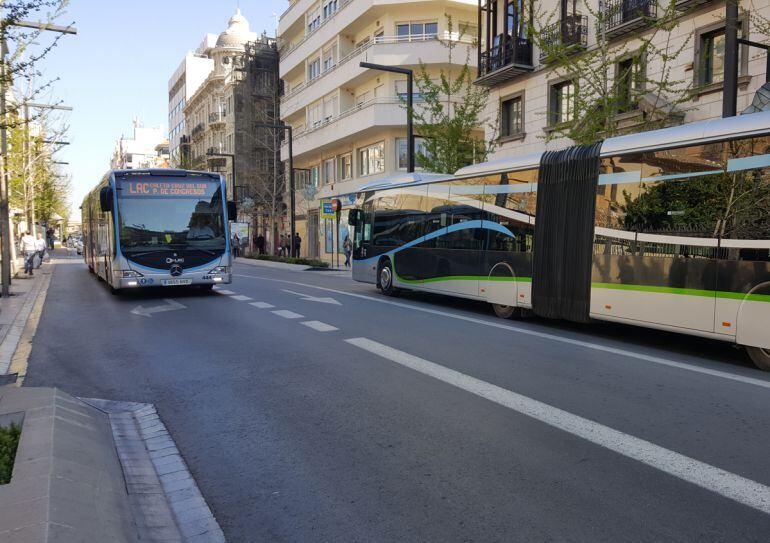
{"points": [[449, 114], [604, 90], [9, 442], [291, 260]]}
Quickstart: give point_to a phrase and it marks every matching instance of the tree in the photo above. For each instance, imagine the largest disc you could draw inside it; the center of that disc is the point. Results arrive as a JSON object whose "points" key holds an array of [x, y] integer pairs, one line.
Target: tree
{"points": [[449, 113], [610, 79]]}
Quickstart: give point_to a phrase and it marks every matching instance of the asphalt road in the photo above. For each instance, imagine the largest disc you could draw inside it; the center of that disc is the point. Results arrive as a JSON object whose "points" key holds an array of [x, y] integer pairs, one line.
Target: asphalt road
{"points": [[356, 417]]}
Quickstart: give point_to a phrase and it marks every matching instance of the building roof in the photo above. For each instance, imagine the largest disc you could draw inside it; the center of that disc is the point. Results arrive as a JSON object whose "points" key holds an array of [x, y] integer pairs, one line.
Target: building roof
{"points": [[238, 32]]}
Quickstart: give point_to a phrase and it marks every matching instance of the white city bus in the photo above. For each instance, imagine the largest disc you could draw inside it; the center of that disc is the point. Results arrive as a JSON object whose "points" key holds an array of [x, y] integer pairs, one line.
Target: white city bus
{"points": [[156, 228], [668, 229]]}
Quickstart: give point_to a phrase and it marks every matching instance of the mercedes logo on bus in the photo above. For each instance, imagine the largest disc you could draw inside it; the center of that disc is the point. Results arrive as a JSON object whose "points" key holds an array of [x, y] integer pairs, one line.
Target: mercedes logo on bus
{"points": [[176, 270]]}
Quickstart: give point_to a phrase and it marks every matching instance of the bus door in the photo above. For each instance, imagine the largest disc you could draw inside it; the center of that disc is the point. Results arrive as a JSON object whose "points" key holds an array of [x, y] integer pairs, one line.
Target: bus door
{"points": [[364, 267]]}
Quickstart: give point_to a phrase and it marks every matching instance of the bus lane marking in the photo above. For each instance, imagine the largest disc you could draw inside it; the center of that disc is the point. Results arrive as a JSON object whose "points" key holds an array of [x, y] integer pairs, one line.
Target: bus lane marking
{"points": [[319, 326], [727, 484], [544, 335], [286, 314]]}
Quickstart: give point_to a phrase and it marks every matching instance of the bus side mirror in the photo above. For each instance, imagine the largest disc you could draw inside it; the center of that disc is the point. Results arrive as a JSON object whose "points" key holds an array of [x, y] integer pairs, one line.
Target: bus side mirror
{"points": [[353, 216], [232, 211], [105, 199]]}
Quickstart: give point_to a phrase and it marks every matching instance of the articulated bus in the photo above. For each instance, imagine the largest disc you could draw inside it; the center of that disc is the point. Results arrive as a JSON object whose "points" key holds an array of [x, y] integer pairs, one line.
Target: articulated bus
{"points": [[667, 229], [156, 228]]}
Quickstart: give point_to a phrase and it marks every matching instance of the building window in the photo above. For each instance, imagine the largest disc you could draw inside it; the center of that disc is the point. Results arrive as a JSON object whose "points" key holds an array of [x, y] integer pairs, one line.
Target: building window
{"points": [[313, 69], [402, 147], [330, 58], [562, 102], [329, 171], [512, 117], [313, 20], [313, 176], [345, 166], [710, 54], [416, 31], [330, 7], [629, 81], [371, 159]]}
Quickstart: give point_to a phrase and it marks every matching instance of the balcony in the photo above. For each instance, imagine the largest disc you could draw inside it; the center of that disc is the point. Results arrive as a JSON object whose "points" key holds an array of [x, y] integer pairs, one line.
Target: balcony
{"points": [[501, 63], [217, 119], [622, 17], [197, 131], [686, 5], [564, 37], [389, 50], [285, 49]]}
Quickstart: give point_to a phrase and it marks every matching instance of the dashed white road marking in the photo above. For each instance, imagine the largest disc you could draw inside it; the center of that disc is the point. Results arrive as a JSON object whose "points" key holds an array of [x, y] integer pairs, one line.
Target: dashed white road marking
{"points": [[261, 305], [224, 291], [320, 326], [724, 483], [240, 298], [286, 314], [545, 335]]}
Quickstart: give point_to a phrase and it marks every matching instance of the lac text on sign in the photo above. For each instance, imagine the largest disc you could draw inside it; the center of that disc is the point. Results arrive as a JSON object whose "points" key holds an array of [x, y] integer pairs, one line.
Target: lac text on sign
{"points": [[155, 188]]}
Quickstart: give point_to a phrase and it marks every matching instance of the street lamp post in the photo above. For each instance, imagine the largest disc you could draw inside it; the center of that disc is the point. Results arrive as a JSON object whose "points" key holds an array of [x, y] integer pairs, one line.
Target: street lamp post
{"points": [[409, 107], [292, 217]]}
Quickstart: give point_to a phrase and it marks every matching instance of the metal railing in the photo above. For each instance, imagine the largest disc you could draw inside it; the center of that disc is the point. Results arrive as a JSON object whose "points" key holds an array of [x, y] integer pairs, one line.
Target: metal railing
{"points": [[620, 12], [571, 33], [216, 117], [380, 40], [198, 129], [285, 52], [516, 51]]}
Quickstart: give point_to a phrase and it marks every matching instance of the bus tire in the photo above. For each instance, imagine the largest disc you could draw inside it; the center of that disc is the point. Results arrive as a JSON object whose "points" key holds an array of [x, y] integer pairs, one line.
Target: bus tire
{"points": [[385, 278], [114, 291], [506, 311], [760, 357]]}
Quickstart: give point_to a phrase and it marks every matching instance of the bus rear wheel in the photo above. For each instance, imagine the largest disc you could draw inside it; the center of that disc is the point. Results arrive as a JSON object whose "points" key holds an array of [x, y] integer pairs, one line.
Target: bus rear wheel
{"points": [[760, 357], [385, 279], [506, 311]]}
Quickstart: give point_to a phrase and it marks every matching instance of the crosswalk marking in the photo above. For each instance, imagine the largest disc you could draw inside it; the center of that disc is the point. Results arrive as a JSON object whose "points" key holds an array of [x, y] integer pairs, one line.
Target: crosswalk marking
{"points": [[240, 298], [261, 305], [225, 292], [320, 326]]}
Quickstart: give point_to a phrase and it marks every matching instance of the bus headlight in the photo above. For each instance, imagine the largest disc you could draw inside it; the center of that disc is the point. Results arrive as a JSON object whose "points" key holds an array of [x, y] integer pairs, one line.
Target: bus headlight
{"points": [[131, 274], [221, 269]]}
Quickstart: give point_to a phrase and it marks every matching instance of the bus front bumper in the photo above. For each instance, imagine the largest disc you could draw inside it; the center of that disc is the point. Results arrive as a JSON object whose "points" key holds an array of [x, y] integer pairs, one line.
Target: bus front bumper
{"points": [[166, 280]]}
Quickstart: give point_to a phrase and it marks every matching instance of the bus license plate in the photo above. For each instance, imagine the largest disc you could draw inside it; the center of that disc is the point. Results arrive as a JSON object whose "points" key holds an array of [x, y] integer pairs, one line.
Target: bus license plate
{"points": [[176, 282]]}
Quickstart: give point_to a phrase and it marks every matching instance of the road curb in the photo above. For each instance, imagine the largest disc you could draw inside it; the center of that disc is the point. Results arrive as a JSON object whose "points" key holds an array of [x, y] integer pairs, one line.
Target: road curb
{"points": [[166, 500]]}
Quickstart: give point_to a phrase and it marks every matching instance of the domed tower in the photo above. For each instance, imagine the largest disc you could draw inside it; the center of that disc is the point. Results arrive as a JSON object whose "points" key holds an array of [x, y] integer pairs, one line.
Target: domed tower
{"points": [[231, 42]]}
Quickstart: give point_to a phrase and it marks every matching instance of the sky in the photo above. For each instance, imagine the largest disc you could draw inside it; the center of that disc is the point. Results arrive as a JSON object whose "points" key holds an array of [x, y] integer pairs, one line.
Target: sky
{"points": [[118, 65]]}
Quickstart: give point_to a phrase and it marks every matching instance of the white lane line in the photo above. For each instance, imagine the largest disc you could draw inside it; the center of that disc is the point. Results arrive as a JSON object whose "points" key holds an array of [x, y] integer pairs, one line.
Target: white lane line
{"points": [[240, 297], [725, 483], [224, 291], [320, 326], [544, 335], [286, 314], [262, 305]]}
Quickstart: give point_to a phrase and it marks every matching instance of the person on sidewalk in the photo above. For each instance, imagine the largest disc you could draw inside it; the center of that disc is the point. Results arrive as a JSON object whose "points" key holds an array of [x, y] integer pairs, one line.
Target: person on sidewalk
{"points": [[40, 247], [297, 245], [49, 237], [347, 246], [28, 249], [261, 244], [236, 242]]}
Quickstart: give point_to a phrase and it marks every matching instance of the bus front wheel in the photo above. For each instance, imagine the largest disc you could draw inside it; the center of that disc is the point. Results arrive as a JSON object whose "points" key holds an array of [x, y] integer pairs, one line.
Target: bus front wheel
{"points": [[385, 279], [760, 357], [505, 311]]}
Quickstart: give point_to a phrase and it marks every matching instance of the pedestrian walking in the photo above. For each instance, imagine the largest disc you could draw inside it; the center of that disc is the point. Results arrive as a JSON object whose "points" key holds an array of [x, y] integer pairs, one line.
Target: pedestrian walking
{"points": [[40, 247], [297, 244], [284, 248], [28, 249], [49, 237], [261, 244], [236, 241], [347, 246]]}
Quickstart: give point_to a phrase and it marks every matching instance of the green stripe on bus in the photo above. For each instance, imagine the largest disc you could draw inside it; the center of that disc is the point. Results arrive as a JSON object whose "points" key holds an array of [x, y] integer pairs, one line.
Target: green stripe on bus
{"points": [[465, 278], [686, 291]]}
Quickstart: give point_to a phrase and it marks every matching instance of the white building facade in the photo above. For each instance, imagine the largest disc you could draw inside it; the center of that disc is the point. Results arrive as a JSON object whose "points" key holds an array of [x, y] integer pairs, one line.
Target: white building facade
{"points": [[349, 123], [145, 149], [187, 78], [531, 97]]}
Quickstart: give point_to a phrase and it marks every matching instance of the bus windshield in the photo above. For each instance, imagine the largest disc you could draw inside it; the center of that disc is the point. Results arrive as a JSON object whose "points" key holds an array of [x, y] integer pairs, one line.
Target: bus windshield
{"points": [[170, 214]]}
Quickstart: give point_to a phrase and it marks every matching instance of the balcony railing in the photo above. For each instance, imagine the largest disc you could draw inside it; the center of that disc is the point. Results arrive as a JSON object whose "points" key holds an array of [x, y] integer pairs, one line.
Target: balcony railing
{"points": [[377, 41], [198, 130], [568, 36], [684, 5], [284, 50], [625, 16], [499, 63], [216, 117]]}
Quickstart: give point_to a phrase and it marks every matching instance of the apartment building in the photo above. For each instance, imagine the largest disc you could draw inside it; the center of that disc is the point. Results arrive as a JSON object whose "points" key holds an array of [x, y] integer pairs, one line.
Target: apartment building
{"points": [[349, 123], [186, 79], [532, 98], [146, 148]]}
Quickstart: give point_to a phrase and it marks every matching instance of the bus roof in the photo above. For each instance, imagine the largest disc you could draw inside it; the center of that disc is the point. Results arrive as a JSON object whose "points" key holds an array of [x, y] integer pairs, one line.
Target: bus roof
{"points": [[404, 179], [742, 126], [163, 172]]}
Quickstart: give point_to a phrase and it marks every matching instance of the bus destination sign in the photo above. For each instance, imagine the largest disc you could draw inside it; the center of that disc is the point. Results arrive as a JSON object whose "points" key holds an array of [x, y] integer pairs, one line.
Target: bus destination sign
{"points": [[168, 189]]}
